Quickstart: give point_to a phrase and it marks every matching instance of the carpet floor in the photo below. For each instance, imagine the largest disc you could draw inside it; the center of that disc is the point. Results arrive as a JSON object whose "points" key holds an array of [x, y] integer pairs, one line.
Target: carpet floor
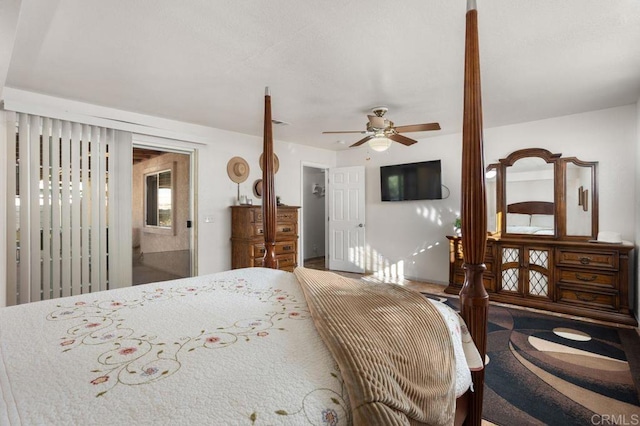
{"points": [[548, 370]]}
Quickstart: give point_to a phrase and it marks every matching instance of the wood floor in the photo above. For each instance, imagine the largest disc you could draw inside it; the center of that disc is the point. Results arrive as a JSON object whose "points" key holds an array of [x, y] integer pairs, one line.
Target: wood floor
{"points": [[424, 287], [315, 263]]}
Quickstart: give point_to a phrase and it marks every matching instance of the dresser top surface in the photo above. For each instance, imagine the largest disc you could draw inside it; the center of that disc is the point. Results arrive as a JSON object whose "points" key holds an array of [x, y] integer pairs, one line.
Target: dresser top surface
{"points": [[258, 206]]}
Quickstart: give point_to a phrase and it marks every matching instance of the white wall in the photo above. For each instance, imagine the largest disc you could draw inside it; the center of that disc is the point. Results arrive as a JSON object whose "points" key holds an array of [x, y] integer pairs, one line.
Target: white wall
{"points": [[607, 136], [217, 192], [408, 237], [409, 234], [412, 235]]}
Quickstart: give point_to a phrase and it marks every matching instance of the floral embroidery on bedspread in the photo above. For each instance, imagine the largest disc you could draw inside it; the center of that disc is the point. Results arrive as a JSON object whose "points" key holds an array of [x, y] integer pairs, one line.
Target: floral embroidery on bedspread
{"points": [[320, 406], [132, 357]]}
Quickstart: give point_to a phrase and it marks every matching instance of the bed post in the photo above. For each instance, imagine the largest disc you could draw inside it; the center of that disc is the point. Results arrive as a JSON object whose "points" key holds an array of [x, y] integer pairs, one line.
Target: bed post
{"points": [[473, 296], [268, 191]]}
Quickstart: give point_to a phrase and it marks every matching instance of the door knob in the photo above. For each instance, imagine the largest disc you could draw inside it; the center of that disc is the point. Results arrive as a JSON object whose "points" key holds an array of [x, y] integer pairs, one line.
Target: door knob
{"points": [[360, 225]]}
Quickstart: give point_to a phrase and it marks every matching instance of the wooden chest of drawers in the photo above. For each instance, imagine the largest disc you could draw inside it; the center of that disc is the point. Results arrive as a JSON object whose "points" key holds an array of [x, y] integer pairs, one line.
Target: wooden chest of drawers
{"points": [[577, 278], [247, 237]]}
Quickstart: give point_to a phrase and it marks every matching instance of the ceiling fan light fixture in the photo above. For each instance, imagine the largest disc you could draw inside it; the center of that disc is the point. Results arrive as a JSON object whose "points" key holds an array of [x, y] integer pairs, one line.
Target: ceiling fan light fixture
{"points": [[380, 143]]}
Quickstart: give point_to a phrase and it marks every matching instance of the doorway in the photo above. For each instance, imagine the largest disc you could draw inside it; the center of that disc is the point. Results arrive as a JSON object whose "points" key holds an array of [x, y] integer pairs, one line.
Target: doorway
{"points": [[314, 217], [162, 201]]}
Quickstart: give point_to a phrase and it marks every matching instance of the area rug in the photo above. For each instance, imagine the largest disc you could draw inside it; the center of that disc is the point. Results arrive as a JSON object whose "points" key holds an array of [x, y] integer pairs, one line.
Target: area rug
{"points": [[545, 369]]}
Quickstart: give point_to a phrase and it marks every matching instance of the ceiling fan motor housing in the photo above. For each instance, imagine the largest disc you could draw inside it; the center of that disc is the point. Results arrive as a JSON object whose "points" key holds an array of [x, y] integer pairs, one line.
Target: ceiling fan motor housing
{"points": [[379, 110]]}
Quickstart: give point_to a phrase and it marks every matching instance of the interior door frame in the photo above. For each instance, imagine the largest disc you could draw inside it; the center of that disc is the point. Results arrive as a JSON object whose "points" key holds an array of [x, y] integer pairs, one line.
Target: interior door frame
{"points": [[178, 147], [326, 167]]}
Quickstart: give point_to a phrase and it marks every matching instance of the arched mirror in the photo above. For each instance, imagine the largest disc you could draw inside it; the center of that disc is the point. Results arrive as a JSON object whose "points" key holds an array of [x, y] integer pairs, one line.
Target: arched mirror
{"points": [[542, 195], [530, 197]]}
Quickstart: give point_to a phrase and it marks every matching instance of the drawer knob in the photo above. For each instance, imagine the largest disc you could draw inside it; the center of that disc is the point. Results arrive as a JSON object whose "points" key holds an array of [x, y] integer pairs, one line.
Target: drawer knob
{"points": [[260, 231], [586, 279], [286, 229], [286, 247], [586, 297], [585, 260]]}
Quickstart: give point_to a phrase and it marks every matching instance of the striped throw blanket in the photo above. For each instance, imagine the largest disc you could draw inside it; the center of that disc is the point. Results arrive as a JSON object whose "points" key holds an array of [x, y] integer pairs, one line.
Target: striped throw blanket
{"points": [[393, 348]]}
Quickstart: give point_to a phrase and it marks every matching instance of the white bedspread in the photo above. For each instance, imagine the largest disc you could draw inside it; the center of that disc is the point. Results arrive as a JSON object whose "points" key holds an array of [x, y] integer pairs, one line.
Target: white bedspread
{"points": [[536, 230], [236, 347]]}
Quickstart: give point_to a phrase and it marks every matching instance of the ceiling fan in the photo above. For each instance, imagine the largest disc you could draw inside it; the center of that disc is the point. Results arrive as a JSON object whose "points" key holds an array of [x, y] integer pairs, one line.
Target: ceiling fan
{"points": [[380, 131]]}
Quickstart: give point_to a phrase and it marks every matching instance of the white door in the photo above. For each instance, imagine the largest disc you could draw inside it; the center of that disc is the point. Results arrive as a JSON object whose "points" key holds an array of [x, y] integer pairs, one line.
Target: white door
{"points": [[346, 219]]}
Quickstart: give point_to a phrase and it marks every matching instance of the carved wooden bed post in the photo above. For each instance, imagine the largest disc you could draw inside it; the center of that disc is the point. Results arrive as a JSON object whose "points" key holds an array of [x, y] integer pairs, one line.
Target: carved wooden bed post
{"points": [[268, 189], [473, 296]]}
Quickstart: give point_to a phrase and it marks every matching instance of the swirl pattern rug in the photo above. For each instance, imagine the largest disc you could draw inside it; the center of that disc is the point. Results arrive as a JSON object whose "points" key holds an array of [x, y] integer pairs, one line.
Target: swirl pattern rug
{"points": [[544, 369]]}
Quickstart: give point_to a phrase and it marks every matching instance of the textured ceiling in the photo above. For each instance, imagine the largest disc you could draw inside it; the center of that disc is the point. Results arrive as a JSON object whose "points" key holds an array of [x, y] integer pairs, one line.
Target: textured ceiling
{"points": [[328, 62]]}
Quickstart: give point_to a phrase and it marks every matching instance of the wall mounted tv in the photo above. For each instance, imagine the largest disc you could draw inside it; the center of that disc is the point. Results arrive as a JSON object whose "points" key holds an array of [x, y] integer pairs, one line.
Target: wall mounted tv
{"points": [[412, 181]]}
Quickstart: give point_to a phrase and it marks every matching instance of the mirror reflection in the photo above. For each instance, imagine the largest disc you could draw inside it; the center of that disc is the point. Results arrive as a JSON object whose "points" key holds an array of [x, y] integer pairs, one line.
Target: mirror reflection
{"points": [[579, 199], [530, 197]]}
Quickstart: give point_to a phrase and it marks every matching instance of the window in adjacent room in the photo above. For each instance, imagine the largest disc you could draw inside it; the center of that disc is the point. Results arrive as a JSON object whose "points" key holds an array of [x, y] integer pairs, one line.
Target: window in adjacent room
{"points": [[158, 201]]}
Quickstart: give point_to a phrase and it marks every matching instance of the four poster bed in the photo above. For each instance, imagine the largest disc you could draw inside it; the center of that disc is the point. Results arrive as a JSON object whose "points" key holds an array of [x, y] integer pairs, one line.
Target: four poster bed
{"points": [[259, 345]]}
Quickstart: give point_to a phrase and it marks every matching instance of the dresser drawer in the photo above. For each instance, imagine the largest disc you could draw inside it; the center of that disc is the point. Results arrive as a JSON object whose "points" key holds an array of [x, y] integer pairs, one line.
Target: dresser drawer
{"points": [[285, 261], [588, 277], [281, 216], [587, 298], [282, 247], [588, 259], [281, 229]]}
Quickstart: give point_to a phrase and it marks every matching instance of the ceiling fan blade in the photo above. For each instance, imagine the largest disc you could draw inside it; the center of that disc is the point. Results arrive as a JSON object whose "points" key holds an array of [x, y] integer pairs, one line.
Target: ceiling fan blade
{"points": [[349, 131], [377, 122], [402, 139], [361, 141], [418, 127]]}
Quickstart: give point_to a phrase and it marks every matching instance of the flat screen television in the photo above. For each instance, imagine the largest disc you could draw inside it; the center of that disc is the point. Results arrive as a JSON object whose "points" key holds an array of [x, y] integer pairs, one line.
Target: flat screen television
{"points": [[412, 181]]}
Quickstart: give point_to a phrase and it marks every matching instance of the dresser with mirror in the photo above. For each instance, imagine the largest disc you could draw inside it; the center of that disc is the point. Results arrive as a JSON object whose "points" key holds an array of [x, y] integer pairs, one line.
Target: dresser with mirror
{"points": [[542, 247]]}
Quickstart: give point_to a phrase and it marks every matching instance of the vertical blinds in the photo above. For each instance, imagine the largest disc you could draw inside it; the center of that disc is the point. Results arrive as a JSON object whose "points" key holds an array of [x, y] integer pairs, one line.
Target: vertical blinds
{"points": [[64, 205]]}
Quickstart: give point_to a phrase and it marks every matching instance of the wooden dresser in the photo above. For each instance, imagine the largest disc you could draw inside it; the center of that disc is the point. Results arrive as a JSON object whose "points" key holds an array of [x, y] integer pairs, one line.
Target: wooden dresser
{"points": [[247, 237], [578, 278]]}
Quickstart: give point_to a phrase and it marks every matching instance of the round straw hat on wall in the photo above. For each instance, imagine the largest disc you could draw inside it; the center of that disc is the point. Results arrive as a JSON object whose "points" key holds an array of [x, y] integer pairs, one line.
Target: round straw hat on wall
{"points": [[257, 188], [238, 169], [276, 163]]}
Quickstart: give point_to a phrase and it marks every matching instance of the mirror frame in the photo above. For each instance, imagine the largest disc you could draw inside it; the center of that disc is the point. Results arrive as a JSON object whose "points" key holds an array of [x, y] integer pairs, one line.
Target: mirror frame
{"points": [[560, 179]]}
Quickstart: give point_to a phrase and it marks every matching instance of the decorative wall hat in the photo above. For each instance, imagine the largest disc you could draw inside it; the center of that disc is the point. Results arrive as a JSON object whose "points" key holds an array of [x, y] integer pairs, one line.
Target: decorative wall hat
{"points": [[238, 169], [257, 188], [276, 163]]}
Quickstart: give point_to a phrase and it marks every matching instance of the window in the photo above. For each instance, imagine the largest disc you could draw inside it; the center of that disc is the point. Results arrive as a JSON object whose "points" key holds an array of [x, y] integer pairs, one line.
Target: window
{"points": [[158, 200]]}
